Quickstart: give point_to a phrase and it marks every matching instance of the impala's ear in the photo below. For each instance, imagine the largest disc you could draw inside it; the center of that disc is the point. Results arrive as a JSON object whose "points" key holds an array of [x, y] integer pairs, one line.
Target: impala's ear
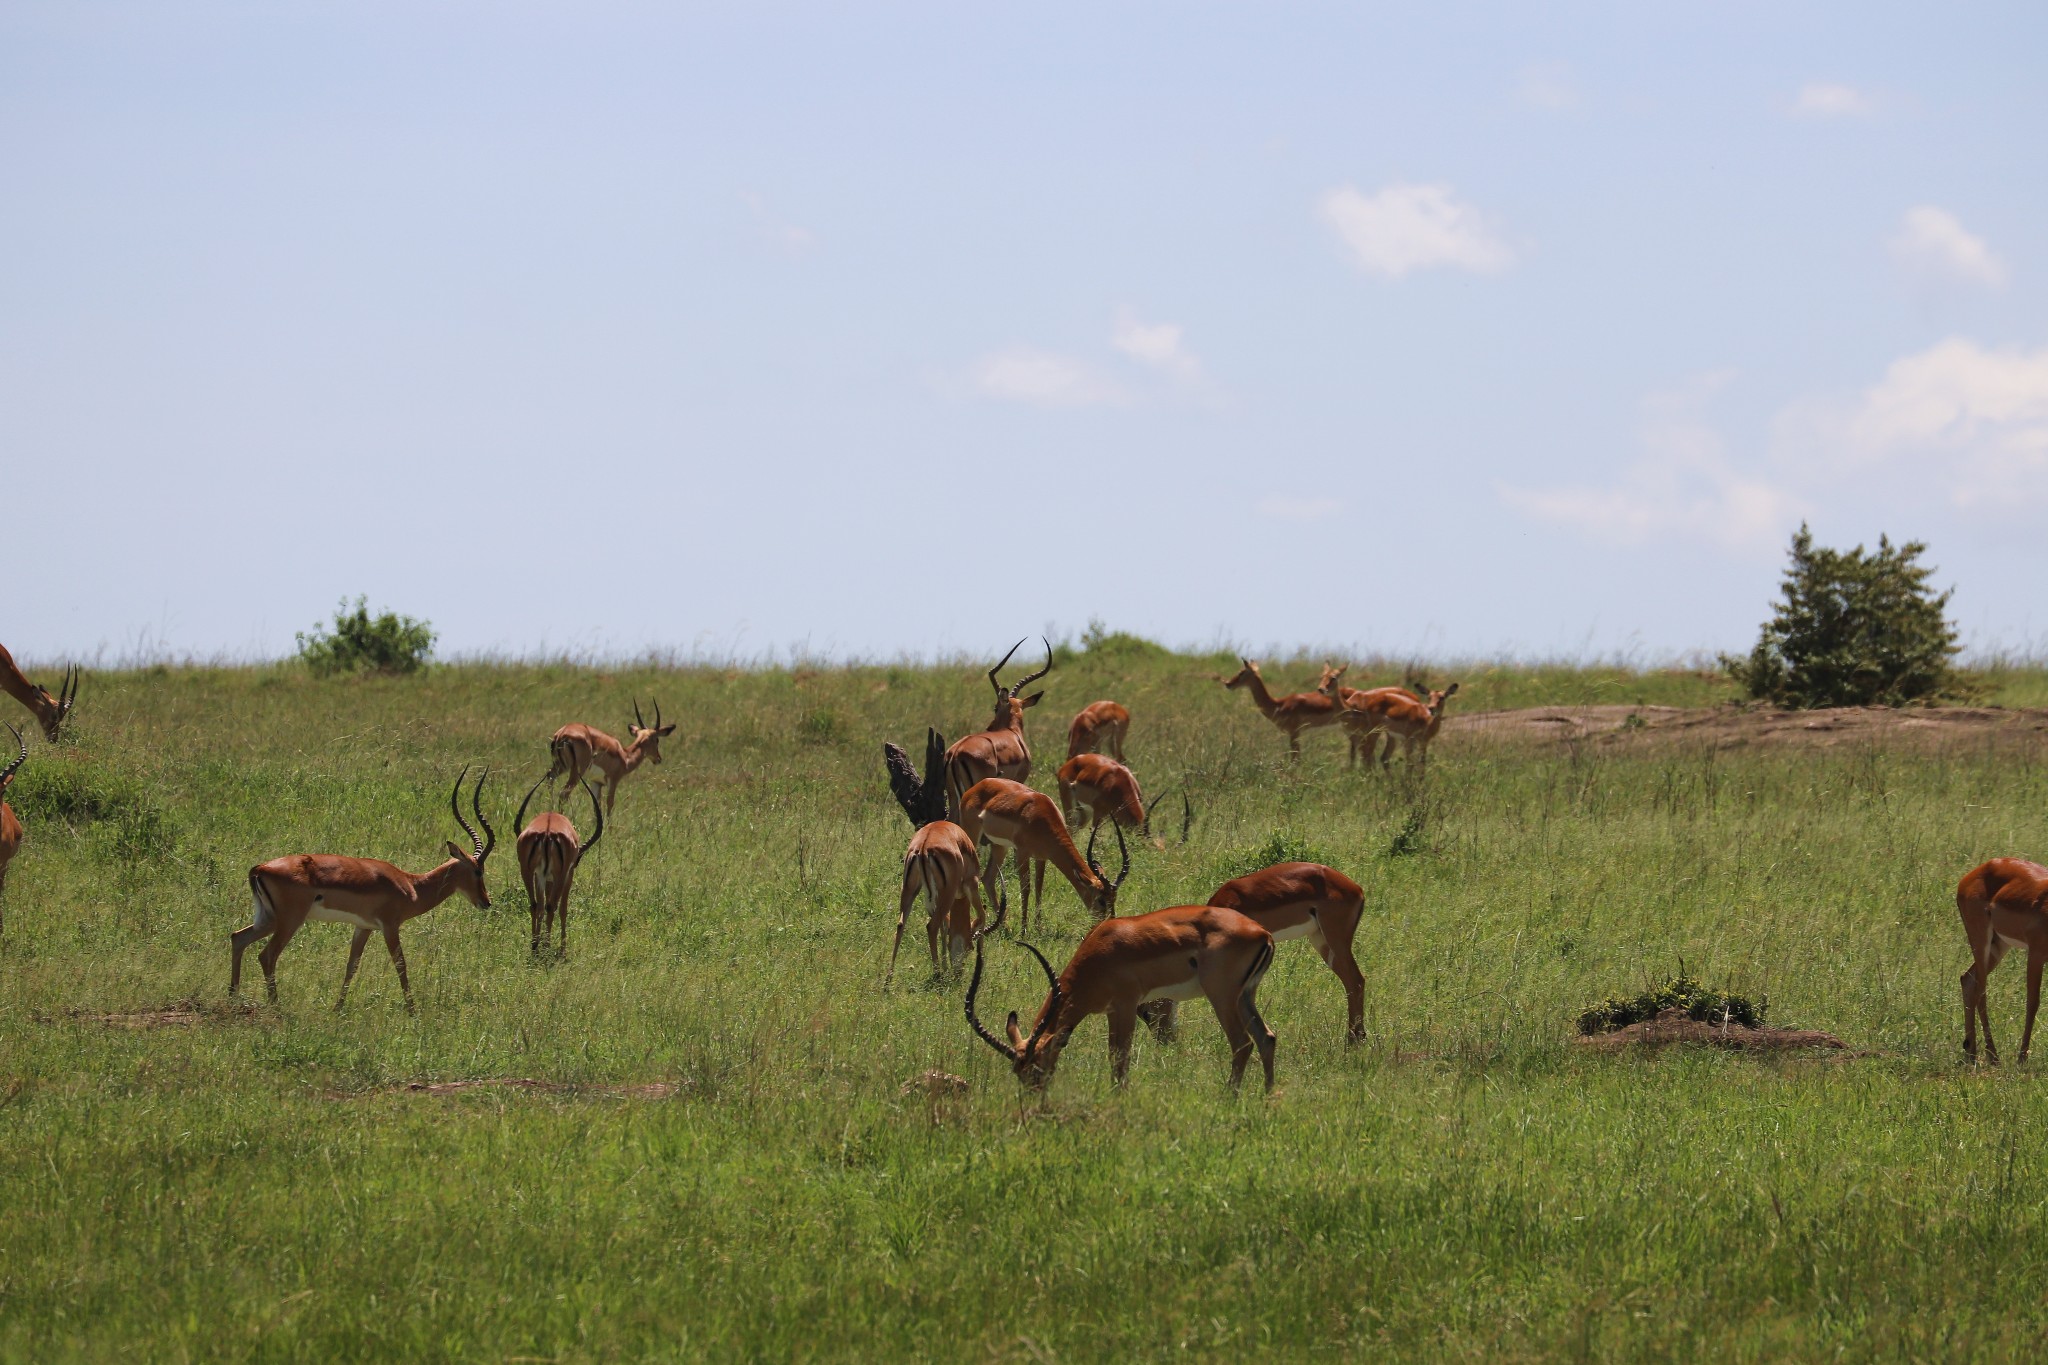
{"points": [[463, 854], [1016, 1036], [668, 729], [1032, 700], [1451, 691]]}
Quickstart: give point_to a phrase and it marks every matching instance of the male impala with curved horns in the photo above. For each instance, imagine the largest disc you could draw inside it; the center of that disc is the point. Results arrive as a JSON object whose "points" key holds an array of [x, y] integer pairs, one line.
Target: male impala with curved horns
{"points": [[368, 893], [1173, 954], [10, 824], [1000, 750], [50, 712], [578, 748], [940, 863], [1295, 713], [1099, 728], [2003, 904], [549, 854], [1010, 815]]}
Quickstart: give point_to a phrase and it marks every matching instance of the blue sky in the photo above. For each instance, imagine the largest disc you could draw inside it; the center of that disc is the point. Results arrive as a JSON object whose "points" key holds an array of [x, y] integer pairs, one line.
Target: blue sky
{"points": [[888, 329]]}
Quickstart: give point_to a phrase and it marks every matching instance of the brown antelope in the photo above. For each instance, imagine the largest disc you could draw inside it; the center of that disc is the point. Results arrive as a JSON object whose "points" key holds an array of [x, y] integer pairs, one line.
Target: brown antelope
{"points": [[940, 862], [578, 748], [1011, 816], [1173, 954], [2003, 904], [1101, 726], [1298, 900], [1095, 788], [368, 893], [1395, 713], [1000, 750], [549, 854], [10, 824], [50, 712], [1295, 713]]}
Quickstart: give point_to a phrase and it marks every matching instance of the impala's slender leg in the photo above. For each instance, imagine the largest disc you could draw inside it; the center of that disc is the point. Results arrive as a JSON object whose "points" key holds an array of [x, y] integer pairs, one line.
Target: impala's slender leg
{"points": [[1335, 950], [562, 912], [2034, 964], [241, 939], [1163, 1018], [355, 956], [1976, 990], [1038, 874], [267, 959], [913, 882], [1123, 1022], [1237, 1010], [398, 962]]}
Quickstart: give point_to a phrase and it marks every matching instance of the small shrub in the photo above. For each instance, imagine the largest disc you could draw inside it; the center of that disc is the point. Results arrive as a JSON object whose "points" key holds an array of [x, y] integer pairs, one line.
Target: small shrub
{"points": [[1680, 992], [1279, 847], [821, 725], [1407, 842], [360, 643], [77, 793], [1853, 629], [1104, 643]]}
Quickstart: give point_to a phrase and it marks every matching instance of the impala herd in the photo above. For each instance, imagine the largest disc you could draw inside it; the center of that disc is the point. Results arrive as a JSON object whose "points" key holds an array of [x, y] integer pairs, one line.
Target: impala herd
{"points": [[971, 808]]}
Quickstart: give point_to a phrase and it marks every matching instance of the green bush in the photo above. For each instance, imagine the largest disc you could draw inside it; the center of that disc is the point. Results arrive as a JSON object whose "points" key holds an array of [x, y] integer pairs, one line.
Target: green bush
{"points": [[1279, 847], [64, 788], [1853, 629], [1680, 992], [360, 643]]}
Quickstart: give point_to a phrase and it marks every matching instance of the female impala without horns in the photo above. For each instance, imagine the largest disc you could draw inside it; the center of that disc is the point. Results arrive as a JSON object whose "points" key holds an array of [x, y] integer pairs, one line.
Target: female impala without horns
{"points": [[10, 825], [1099, 728], [2003, 904], [1295, 713], [50, 712], [1000, 750], [549, 854], [1395, 713], [578, 748], [367, 893], [940, 863], [1172, 954], [1012, 816], [1095, 788]]}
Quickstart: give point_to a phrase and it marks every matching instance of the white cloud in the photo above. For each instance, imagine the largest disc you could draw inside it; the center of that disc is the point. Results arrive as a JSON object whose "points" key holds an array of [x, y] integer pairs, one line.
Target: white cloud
{"points": [[1044, 378], [1549, 86], [1684, 485], [1299, 509], [1157, 344], [786, 235], [1823, 99], [1934, 241], [1957, 420], [1412, 227]]}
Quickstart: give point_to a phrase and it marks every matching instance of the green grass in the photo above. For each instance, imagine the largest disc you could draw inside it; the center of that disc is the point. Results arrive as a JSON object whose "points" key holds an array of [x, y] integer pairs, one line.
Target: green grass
{"points": [[1468, 1183]]}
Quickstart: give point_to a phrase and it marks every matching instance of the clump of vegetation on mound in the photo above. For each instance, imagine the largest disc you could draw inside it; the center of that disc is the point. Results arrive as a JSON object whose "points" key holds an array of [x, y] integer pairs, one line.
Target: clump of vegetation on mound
{"points": [[1680, 992], [361, 643], [1115, 646], [1277, 847]]}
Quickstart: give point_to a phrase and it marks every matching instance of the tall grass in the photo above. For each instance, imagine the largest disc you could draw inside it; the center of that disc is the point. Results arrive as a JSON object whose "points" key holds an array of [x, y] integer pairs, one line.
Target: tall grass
{"points": [[1468, 1182]]}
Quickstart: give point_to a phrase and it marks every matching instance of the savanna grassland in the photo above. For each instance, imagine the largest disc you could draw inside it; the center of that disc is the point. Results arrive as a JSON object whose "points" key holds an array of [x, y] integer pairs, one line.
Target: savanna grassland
{"points": [[725, 1162]]}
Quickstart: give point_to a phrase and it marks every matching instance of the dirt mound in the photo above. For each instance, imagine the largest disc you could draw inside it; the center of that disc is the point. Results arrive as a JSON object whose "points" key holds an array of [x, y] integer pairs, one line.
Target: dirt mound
{"points": [[1676, 1026], [1735, 726], [651, 1090]]}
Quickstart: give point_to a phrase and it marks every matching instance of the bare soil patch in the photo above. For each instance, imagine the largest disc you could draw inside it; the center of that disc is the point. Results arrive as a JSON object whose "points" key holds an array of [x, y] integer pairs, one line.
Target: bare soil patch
{"points": [[1675, 1026], [1729, 727], [651, 1090], [183, 1014]]}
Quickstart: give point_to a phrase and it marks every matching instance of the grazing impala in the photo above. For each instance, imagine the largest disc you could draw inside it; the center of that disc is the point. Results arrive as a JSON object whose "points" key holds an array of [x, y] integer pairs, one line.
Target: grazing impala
{"points": [[50, 712], [1011, 816], [1299, 900], [368, 893], [578, 748], [1095, 788], [940, 862], [10, 825], [1395, 713], [1295, 713], [2003, 904], [1173, 954], [1000, 750], [1101, 726], [549, 854]]}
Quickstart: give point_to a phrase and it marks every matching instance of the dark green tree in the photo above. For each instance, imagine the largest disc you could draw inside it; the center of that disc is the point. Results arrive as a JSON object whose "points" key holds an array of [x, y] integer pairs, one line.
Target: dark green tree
{"points": [[361, 643], [1853, 629]]}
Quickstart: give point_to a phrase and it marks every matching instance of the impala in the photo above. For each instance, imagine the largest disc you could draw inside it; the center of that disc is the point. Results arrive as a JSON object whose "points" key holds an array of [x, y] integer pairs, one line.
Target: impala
{"points": [[368, 893], [1395, 713], [1295, 713], [50, 712], [2003, 904], [1095, 788], [1100, 726], [10, 824], [1173, 954], [1011, 816], [1000, 750], [1298, 900], [549, 854], [940, 862], [578, 748]]}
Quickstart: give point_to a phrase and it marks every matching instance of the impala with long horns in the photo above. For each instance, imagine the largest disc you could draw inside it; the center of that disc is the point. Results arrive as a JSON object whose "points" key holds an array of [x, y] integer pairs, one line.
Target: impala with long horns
{"points": [[940, 863], [2003, 904], [549, 854], [1097, 788], [1294, 713], [1013, 817], [579, 748], [1100, 727], [10, 824], [1000, 750], [367, 893], [1174, 954], [1395, 713], [50, 711]]}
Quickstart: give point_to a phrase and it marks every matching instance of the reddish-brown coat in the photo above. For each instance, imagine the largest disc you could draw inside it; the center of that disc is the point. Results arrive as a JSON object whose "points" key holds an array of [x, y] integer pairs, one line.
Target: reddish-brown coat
{"points": [[10, 824], [2003, 904], [49, 711], [1293, 714], [1012, 816], [1097, 788], [1395, 713], [1100, 727], [576, 748], [941, 864], [1308, 900]]}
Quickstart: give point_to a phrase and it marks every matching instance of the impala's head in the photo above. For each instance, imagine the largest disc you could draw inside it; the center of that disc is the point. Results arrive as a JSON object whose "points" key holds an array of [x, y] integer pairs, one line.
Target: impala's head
{"points": [[7, 773], [1436, 705], [647, 738], [1327, 683], [1032, 1059], [1101, 898], [469, 877], [1245, 676], [1009, 706], [53, 711]]}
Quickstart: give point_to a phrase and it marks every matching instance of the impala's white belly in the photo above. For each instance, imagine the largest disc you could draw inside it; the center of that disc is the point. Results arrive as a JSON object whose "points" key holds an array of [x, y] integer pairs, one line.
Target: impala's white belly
{"points": [[1301, 930], [331, 915], [1180, 990]]}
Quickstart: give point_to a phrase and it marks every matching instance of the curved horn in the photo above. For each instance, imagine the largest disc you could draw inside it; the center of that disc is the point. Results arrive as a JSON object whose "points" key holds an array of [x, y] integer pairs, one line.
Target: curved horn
{"points": [[7, 773], [455, 809], [1187, 815], [657, 712], [597, 811], [1094, 866], [636, 714], [973, 989], [1000, 689], [1153, 805], [68, 692], [1052, 1004], [476, 803], [519, 820], [1123, 852], [1026, 681]]}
